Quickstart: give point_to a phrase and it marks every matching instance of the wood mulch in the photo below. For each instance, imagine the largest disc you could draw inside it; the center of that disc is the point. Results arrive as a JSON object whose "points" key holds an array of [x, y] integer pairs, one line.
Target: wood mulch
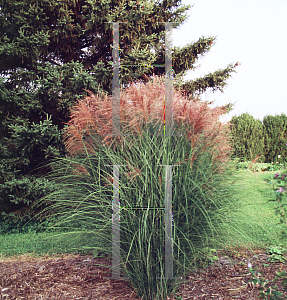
{"points": [[77, 277]]}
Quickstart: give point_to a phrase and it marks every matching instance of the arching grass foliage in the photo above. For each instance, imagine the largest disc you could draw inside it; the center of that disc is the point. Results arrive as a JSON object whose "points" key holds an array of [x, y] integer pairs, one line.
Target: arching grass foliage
{"points": [[201, 198]]}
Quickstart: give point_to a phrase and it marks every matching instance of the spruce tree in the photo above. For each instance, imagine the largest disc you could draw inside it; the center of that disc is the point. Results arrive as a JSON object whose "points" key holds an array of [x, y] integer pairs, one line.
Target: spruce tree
{"points": [[53, 52]]}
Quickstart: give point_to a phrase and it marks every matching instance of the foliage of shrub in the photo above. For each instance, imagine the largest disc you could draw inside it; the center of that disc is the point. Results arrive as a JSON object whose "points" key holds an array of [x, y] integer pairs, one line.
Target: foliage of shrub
{"points": [[248, 142], [11, 223], [258, 167], [275, 138], [20, 180]]}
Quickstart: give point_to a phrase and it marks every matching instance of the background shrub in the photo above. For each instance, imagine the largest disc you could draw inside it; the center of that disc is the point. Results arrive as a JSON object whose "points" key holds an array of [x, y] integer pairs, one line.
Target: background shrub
{"points": [[275, 138], [248, 138]]}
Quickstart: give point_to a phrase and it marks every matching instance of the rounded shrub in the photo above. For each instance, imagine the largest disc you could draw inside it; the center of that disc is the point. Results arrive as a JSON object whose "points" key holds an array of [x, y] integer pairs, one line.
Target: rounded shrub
{"points": [[275, 138], [248, 138]]}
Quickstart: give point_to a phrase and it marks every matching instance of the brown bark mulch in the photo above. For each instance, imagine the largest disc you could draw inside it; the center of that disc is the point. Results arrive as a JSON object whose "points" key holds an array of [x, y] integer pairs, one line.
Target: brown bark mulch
{"points": [[77, 277]]}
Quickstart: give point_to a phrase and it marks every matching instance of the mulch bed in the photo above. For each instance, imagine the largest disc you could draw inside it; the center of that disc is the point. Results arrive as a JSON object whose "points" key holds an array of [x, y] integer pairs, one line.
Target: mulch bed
{"points": [[77, 277]]}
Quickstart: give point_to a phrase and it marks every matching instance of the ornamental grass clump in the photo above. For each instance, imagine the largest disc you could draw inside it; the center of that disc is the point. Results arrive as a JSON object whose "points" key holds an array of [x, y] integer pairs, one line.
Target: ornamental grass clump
{"points": [[140, 105], [200, 198]]}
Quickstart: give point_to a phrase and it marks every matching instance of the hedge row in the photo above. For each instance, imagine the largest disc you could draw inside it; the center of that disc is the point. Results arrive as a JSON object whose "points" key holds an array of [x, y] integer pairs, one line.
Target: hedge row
{"points": [[264, 142]]}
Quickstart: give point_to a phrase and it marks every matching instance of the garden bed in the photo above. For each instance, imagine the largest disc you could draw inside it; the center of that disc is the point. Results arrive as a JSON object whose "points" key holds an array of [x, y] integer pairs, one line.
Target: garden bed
{"points": [[79, 277]]}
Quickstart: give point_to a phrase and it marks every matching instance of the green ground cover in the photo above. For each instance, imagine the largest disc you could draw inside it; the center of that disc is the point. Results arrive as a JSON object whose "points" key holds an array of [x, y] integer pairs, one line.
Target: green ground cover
{"points": [[257, 216], [256, 222]]}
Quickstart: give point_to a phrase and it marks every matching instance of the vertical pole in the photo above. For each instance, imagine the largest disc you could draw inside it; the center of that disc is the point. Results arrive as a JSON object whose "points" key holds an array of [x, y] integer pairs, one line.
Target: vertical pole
{"points": [[168, 81], [168, 171], [116, 244], [116, 132], [168, 224], [116, 83], [116, 224]]}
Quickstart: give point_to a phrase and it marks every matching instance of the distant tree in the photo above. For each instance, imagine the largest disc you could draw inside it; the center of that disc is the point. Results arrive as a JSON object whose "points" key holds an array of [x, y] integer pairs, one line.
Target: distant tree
{"points": [[275, 137], [52, 52], [248, 138]]}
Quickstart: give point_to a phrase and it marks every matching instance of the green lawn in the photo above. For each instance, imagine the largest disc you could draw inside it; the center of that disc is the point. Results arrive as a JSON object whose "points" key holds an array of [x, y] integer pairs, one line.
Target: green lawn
{"points": [[256, 218]]}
